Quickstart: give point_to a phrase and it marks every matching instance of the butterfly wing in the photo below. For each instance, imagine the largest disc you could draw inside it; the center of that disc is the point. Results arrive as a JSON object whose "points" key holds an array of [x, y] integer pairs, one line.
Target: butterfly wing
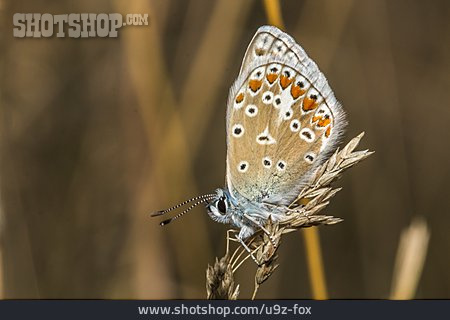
{"points": [[282, 120]]}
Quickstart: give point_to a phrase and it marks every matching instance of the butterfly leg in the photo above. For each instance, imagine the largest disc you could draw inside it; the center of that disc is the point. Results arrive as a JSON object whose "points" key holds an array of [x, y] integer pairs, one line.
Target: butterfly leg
{"points": [[241, 236], [229, 238]]}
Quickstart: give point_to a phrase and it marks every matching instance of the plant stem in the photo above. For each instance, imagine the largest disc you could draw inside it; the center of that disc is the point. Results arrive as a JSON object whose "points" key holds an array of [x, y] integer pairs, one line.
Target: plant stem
{"points": [[255, 291], [315, 264]]}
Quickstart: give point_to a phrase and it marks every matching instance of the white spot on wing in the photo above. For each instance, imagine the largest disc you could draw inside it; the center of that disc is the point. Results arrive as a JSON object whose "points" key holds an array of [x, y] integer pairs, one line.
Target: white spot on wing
{"points": [[242, 166], [321, 110], [300, 80], [237, 130], [251, 110], [310, 157], [277, 101], [274, 68], [258, 74], [314, 93], [307, 135], [267, 97], [295, 125], [265, 138], [281, 165], [266, 162], [285, 106], [288, 72], [288, 114]]}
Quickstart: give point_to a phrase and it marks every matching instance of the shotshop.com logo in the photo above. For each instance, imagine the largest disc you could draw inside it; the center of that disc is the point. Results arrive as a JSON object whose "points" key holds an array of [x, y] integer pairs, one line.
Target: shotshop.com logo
{"points": [[73, 25]]}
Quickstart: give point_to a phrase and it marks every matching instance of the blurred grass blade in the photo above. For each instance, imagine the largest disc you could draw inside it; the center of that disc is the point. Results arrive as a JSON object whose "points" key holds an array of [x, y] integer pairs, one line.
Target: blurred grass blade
{"points": [[311, 235], [315, 264], [210, 64], [273, 12], [411, 254]]}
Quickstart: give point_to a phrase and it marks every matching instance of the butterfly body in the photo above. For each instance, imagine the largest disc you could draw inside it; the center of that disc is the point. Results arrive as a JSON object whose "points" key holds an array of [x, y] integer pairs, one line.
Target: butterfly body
{"points": [[236, 210], [283, 121]]}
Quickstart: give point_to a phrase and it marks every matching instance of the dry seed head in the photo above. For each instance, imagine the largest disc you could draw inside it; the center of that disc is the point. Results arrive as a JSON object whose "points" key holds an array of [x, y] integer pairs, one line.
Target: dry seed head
{"points": [[220, 280], [316, 195], [266, 254]]}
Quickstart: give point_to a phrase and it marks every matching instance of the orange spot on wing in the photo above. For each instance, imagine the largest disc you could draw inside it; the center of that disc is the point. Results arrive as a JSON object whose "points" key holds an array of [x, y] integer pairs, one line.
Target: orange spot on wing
{"points": [[315, 118], [296, 91], [240, 98], [309, 104], [271, 77], [285, 81], [324, 122], [254, 85], [327, 133]]}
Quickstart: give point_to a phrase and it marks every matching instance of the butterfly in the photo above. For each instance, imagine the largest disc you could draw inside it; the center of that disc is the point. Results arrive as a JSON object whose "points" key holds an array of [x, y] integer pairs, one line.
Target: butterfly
{"points": [[282, 121]]}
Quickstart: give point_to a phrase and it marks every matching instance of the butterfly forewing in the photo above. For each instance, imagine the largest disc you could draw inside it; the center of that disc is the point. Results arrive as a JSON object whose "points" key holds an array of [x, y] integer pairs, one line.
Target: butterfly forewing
{"points": [[282, 120]]}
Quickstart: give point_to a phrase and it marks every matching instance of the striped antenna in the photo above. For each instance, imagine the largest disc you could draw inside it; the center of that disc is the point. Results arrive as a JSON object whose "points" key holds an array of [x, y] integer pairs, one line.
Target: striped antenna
{"points": [[161, 212], [165, 222]]}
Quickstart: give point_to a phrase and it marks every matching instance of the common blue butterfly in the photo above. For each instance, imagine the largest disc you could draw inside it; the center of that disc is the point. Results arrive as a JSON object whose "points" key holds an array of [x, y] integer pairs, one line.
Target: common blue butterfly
{"points": [[283, 121]]}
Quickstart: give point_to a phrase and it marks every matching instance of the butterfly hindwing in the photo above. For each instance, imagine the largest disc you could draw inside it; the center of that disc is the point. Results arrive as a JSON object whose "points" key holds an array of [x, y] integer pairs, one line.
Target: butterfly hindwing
{"points": [[282, 120]]}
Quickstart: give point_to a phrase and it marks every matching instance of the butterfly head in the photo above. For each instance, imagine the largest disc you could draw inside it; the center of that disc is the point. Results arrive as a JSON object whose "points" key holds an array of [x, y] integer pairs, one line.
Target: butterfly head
{"points": [[221, 207]]}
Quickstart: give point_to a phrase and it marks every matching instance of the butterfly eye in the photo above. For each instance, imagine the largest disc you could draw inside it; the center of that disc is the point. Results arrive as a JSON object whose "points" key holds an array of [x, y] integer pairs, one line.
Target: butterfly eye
{"points": [[221, 205]]}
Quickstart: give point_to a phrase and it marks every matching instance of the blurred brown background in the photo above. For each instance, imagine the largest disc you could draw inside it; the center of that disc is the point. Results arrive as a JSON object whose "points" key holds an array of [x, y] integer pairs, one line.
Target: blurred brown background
{"points": [[96, 133]]}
